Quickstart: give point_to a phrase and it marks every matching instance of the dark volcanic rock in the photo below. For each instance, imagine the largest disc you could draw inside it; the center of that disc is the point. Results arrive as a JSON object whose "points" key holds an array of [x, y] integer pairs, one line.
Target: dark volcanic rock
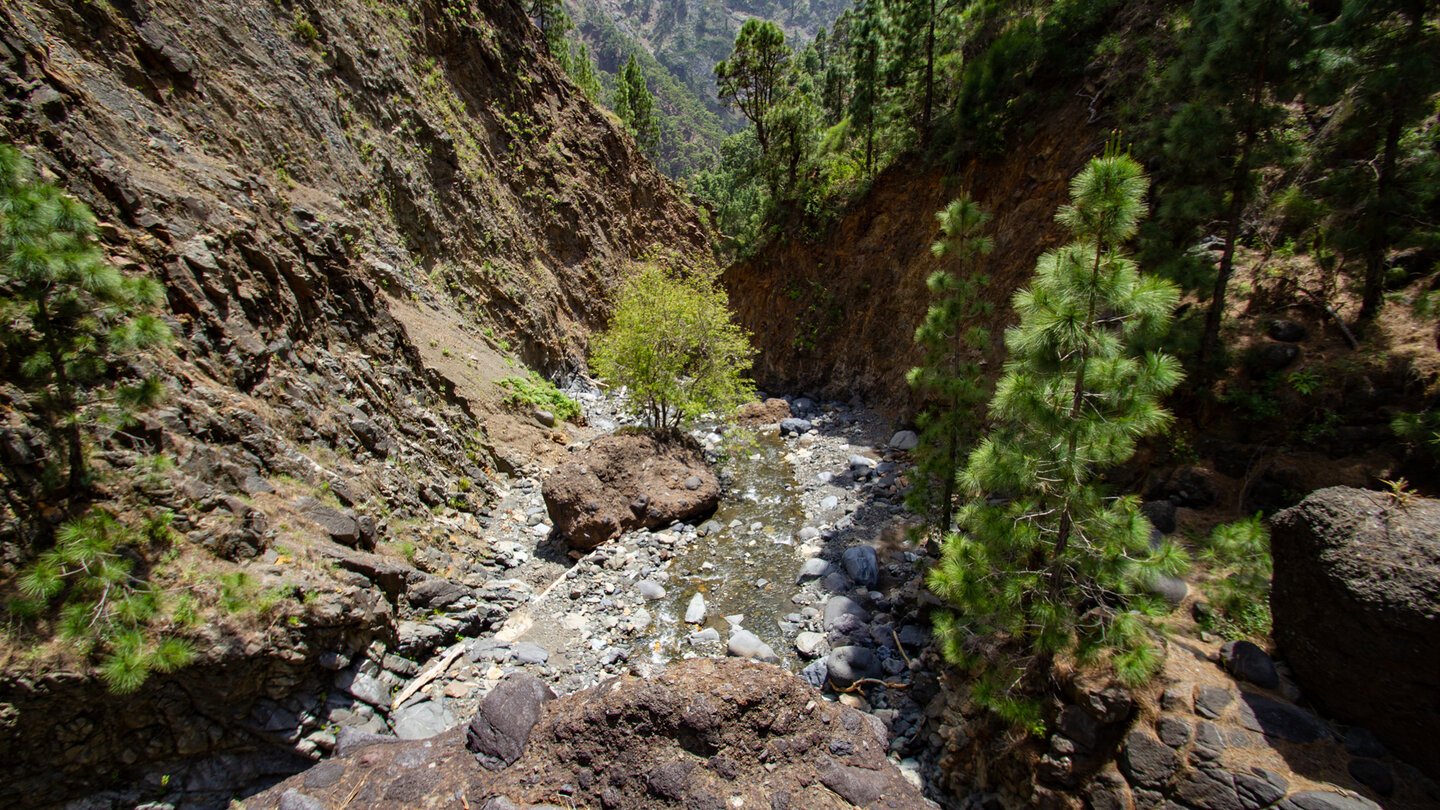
{"points": [[501, 728], [1245, 660], [708, 733], [1356, 604], [628, 481]]}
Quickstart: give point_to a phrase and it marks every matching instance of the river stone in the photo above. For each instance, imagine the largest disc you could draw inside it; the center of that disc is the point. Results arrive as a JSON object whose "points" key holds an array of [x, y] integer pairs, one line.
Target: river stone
{"points": [[814, 568], [846, 665], [695, 611], [859, 462], [707, 636], [842, 610], [745, 644], [1245, 660], [904, 440], [500, 730], [528, 652], [794, 425], [809, 643], [816, 673], [650, 589], [862, 566], [809, 533], [828, 503], [422, 720]]}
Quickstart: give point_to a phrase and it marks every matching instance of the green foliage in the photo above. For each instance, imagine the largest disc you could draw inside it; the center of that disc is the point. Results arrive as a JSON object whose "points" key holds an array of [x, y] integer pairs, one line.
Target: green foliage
{"points": [[636, 107], [532, 389], [672, 345], [303, 28], [66, 316], [554, 24], [951, 377], [1238, 555], [1420, 431], [1044, 563], [101, 604], [750, 78]]}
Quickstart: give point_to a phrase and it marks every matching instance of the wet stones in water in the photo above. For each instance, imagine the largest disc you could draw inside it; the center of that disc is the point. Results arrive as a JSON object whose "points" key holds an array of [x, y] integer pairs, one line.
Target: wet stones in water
{"points": [[695, 611], [904, 440], [745, 644], [650, 590], [794, 426], [707, 636], [846, 665], [861, 564], [814, 568], [1245, 660]]}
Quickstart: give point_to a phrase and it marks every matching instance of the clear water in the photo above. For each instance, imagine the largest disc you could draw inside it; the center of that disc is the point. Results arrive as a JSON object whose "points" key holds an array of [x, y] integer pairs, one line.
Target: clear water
{"points": [[762, 491]]}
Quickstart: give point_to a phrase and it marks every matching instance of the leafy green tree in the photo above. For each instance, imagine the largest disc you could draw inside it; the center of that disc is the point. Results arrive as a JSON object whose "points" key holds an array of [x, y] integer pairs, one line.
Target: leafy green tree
{"points": [[636, 107], [751, 78], [1043, 561], [950, 377], [672, 345], [66, 314], [912, 62]]}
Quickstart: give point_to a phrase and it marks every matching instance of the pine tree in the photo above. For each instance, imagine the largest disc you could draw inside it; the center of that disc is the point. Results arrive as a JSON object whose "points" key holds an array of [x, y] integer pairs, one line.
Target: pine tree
{"points": [[950, 378], [1387, 55], [636, 107], [865, 98], [66, 314], [583, 72], [1235, 56], [1043, 561], [751, 78], [912, 60], [554, 24]]}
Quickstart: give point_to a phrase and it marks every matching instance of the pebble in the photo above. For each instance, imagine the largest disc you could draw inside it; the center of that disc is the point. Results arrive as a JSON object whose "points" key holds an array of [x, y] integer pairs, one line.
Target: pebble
{"points": [[650, 590], [695, 612]]}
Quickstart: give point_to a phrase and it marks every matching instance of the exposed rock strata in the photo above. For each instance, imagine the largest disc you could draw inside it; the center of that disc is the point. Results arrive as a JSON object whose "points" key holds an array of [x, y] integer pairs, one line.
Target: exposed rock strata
{"points": [[706, 733]]}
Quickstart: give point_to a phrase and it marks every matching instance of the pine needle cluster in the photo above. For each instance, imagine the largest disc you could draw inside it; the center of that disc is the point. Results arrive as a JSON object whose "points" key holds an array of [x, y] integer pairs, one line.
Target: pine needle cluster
{"points": [[1045, 562], [103, 606]]}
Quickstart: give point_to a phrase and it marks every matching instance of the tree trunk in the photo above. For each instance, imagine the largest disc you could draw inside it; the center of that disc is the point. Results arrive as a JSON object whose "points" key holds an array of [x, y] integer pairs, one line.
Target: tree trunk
{"points": [[929, 74], [1384, 179]]}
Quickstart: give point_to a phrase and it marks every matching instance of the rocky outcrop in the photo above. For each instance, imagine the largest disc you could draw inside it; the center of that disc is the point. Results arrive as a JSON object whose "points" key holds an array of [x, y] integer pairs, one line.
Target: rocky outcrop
{"points": [[629, 481], [1356, 606], [309, 180], [705, 734]]}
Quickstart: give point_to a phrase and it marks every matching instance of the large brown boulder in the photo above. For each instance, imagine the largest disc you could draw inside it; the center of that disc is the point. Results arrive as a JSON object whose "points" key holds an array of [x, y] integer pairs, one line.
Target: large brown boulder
{"points": [[707, 733], [627, 481], [1356, 605]]}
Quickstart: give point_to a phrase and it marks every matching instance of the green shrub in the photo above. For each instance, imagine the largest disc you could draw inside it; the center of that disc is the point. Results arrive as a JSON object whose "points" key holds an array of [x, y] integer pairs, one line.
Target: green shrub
{"points": [[103, 607], [1239, 589], [532, 389], [672, 344]]}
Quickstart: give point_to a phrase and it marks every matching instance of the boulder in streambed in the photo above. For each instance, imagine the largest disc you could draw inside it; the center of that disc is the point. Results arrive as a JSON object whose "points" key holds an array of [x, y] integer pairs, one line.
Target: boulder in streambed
{"points": [[1355, 599], [628, 481]]}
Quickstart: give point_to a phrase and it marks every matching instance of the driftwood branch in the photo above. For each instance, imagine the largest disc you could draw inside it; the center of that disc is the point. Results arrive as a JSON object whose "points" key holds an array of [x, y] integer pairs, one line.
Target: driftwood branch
{"points": [[431, 672]]}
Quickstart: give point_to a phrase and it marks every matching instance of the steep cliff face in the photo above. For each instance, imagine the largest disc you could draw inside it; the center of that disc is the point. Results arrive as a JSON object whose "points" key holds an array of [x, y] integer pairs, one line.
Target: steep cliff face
{"points": [[836, 315], [364, 212]]}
